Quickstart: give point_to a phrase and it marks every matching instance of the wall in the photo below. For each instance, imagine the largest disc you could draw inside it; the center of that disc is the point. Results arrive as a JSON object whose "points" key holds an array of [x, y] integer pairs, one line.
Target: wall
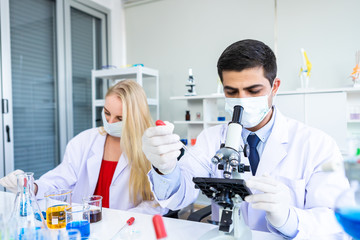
{"points": [[117, 28], [173, 35], [327, 31]]}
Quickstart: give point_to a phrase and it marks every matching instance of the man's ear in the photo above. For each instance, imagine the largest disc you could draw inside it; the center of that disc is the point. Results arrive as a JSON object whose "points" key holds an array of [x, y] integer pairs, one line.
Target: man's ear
{"points": [[276, 85]]}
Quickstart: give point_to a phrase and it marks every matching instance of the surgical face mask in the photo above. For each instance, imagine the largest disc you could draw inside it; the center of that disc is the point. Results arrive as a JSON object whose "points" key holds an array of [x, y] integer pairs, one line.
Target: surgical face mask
{"points": [[113, 129], [255, 109]]}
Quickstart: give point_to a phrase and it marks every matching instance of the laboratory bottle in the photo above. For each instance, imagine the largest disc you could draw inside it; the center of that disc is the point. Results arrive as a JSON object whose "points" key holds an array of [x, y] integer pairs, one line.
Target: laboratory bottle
{"points": [[23, 220], [187, 116]]}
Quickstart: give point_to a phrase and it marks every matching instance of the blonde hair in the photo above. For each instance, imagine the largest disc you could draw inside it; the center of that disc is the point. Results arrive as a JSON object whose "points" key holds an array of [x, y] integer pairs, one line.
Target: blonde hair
{"points": [[136, 119]]}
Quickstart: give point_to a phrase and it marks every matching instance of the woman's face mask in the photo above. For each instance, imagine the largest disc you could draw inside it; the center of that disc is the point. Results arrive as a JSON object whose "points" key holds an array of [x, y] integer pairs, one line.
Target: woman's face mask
{"points": [[255, 109], [113, 129]]}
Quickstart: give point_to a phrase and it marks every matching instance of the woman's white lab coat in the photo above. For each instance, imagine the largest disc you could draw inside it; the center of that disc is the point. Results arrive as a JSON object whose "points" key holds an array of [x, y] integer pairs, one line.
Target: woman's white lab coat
{"points": [[294, 154], [80, 169]]}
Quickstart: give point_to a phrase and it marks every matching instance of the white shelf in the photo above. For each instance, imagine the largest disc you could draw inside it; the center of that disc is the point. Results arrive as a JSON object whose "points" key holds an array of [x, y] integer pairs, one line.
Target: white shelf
{"points": [[138, 73], [117, 73], [151, 102], [99, 103], [198, 97], [302, 91], [304, 100], [201, 122], [353, 121], [189, 122], [217, 122], [216, 96], [206, 105], [325, 109]]}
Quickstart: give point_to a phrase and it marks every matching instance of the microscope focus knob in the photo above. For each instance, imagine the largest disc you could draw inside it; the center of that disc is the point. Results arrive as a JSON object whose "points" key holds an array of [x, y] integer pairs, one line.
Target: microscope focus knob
{"points": [[234, 160], [215, 160], [243, 168]]}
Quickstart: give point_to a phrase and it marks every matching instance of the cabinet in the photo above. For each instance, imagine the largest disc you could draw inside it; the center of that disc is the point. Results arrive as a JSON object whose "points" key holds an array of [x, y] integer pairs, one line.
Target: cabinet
{"points": [[210, 107], [103, 79], [334, 111]]}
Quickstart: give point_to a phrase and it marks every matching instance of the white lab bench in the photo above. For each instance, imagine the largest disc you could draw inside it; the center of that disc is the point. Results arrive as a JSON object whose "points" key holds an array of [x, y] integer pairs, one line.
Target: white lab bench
{"points": [[142, 228]]}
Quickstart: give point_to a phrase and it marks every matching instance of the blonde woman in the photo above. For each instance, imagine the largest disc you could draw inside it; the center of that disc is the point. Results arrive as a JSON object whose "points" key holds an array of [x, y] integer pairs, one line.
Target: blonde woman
{"points": [[107, 161]]}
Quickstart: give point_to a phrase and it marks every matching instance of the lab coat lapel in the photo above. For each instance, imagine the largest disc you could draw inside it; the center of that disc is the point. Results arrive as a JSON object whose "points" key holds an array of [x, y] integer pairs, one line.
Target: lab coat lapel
{"points": [[123, 162], [274, 151], [94, 161]]}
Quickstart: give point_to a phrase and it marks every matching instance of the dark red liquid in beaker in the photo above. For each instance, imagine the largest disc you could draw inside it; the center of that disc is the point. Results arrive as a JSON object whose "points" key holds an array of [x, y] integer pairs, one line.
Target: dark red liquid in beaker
{"points": [[95, 215]]}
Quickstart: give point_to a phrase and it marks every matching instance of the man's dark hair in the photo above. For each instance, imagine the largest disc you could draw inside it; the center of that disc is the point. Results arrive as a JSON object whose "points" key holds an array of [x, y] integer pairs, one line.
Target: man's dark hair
{"points": [[247, 54]]}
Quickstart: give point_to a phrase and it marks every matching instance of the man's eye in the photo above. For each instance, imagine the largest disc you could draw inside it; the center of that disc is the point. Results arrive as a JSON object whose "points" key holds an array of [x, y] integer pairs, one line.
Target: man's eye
{"points": [[230, 93], [107, 113], [254, 92], [119, 118]]}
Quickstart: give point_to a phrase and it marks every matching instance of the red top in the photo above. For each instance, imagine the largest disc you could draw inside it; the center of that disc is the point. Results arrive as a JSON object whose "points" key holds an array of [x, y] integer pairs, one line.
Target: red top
{"points": [[105, 176]]}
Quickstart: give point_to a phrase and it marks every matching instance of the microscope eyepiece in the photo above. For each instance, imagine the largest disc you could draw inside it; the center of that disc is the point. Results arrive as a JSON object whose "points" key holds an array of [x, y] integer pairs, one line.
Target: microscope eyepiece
{"points": [[237, 115]]}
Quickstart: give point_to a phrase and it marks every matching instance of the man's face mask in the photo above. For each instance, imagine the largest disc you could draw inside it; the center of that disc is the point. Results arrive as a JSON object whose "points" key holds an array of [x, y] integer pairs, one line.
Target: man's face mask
{"points": [[255, 109], [113, 129]]}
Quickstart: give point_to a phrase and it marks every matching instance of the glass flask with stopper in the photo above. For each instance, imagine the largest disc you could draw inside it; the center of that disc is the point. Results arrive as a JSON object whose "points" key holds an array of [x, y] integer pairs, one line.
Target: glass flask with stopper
{"points": [[347, 206], [26, 217]]}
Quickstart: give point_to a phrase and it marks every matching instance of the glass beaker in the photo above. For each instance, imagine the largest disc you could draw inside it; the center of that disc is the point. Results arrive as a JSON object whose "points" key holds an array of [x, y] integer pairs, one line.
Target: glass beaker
{"points": [[78, 217], [56, 202], [72, 234], [23, 221], [347, 206], [347, 210], [95, 204]]}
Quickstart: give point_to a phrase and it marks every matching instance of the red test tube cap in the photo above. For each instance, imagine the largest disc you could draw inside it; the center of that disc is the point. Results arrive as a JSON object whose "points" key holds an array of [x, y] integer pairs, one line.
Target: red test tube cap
{"points": [[159, 123], [130, 221], [159, 227]]}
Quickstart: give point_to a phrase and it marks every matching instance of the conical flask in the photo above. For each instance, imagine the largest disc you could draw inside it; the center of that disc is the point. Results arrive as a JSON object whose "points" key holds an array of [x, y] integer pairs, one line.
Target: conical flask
{"points": [[23, 220]]}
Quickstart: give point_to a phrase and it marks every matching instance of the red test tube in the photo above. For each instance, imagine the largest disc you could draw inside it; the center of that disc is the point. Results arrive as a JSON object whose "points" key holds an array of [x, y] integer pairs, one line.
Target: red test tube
{"points": [[159, 227]]}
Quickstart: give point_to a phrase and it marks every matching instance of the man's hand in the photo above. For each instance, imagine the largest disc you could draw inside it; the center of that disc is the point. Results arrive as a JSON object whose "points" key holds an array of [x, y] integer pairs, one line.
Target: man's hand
{"points": [[275, 199], [162, 147], [10, 180]]}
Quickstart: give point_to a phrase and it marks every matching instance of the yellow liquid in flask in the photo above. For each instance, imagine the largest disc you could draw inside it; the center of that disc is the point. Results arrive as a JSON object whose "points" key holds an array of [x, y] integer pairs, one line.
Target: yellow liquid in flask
{"points": [[55, 216]]}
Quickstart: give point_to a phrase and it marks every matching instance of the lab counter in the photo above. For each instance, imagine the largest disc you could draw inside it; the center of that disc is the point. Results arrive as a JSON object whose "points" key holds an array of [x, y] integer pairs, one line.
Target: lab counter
{"points": [[113, 220]]}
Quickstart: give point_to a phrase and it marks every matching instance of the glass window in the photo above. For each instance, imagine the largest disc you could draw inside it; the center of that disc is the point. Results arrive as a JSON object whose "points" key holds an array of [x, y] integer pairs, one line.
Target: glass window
{"points": [[33, 59], [86, 56]]}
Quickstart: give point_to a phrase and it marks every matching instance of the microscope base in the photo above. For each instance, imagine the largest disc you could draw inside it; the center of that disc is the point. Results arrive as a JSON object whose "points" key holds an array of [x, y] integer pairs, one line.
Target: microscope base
{"points": [[240, 230], [215, 234]]}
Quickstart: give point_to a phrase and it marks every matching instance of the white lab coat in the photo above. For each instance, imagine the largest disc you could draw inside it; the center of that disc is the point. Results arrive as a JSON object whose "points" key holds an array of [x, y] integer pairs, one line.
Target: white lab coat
{"points": [[80, 169], [293, 155]]}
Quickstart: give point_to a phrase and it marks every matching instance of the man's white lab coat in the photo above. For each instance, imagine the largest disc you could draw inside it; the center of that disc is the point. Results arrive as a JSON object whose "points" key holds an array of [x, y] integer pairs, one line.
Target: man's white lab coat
{"points": [[293, 154]]}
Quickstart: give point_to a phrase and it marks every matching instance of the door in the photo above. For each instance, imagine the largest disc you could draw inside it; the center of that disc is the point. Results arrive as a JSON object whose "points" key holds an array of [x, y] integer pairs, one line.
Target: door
{"points": [[87, 52], [29, 85], [3, 111], [44, 83]]}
